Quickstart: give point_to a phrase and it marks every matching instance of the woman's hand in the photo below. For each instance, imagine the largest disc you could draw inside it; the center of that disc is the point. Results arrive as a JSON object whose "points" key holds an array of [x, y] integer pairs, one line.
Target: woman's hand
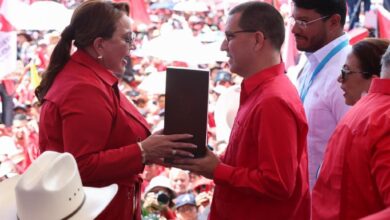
{"points": [[159, 146]]}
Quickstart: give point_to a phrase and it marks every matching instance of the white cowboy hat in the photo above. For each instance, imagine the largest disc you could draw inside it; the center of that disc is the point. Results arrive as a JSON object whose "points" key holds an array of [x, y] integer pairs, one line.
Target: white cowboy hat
{"points": [[225, 112], [51, 188]]}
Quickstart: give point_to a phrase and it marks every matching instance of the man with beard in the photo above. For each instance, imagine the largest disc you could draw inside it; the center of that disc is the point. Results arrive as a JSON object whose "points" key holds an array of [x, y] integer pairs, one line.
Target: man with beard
{"points": [[318, 29]]}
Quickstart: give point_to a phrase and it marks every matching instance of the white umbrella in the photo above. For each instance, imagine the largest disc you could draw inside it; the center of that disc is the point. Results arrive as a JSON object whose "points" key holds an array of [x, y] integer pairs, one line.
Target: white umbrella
{"points": [[154, 83], [191, 6], [213, 41], [178, 45], [214, 52], [46, 15]]}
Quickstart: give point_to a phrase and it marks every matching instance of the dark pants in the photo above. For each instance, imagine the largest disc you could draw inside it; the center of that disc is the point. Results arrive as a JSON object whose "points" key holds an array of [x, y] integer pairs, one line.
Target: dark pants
{"points": [[8, 107], [386, 4], [354, 10]]}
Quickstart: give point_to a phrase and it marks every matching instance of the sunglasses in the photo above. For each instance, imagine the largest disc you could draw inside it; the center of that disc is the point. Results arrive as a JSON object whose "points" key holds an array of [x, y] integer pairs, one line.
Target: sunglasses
{"points": [[346, 72]]}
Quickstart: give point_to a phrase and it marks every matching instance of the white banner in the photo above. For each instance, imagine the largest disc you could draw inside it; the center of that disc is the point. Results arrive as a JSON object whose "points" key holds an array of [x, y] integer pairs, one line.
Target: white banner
{"points": [[7, 53], [7, 41]]}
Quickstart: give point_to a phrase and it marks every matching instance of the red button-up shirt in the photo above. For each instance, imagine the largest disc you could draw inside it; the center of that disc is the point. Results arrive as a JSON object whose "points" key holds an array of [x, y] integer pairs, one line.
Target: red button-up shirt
{"points": [[354, 180], [85, 114], [263, 174]]}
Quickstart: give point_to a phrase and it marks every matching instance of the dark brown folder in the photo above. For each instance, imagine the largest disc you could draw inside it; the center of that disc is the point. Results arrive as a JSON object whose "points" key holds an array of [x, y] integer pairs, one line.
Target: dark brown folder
{"points": [[186, 102]]}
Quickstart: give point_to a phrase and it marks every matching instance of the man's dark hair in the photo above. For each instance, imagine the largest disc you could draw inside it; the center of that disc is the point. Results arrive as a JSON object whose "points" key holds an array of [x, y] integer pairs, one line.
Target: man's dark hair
{"points": [[325, 7], [263, 17]]}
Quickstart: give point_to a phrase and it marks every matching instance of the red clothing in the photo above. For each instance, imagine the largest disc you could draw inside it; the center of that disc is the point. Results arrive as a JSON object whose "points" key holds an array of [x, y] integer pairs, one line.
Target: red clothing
{"points": [[355, 176], [86, 115], [263, 174], [9, 86], [382, 215]]}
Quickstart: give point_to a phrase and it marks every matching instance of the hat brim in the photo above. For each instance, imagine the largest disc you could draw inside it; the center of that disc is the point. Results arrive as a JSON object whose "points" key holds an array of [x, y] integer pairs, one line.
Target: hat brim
{"points": [[8, 199], [96, 200]]}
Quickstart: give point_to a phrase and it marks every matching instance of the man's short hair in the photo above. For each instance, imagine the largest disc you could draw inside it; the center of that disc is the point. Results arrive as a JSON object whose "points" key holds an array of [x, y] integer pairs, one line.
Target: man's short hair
{"points": [[325, 7], [386, 60], [263, 17]]}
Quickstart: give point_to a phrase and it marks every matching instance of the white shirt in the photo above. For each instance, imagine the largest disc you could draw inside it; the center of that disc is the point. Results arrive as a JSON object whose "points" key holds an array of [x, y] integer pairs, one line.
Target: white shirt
{"points": [[324, 103]]}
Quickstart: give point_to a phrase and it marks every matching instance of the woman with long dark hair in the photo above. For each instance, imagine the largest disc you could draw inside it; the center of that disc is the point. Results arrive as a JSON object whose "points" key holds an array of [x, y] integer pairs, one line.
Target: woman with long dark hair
{"points": [[85, 114]]}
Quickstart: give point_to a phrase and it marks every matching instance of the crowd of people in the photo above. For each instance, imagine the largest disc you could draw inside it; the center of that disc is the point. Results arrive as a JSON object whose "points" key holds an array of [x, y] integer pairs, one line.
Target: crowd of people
{"points": [[317, 150]]}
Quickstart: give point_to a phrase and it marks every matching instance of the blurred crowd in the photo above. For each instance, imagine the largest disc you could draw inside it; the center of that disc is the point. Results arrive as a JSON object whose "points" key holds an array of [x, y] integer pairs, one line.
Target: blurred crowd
{"points": [[168, 193]]}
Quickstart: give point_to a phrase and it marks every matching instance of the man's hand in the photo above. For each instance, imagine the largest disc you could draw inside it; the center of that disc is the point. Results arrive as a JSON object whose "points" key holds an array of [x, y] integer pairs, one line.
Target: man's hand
{"points": [[204, 166]]}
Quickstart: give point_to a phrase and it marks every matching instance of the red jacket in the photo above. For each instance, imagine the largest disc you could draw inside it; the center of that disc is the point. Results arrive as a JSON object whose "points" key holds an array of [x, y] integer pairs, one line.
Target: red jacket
{"points": [[354, 180], [86, 115]]}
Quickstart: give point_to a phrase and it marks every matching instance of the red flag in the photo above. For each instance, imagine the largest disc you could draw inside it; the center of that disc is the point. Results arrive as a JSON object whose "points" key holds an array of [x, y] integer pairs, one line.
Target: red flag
{"points": [[138, 10], [5, 25], [383, 22], [357, 34]]}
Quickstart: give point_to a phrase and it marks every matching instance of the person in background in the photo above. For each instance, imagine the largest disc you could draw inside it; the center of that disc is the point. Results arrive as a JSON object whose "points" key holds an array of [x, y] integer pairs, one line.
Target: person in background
{"points": [[263, 172], [150, 171], [203, 190], [354, 178], [386, 4], [318, 27], [6, 95], [158, 199], [180, 180], [363, 65], [24, 47], [84, 113], [354, 11], [25, 138], [185, 207]]}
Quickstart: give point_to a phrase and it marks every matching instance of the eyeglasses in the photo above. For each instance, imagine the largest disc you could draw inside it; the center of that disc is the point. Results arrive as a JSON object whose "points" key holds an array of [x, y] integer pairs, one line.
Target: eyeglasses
{"points": [[129, 38], [231, 35], [304, 24], [346, 72]]}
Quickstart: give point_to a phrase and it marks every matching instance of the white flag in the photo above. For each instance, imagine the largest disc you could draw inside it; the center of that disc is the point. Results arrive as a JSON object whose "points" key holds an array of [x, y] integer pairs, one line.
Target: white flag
{"points": [[7, 41]]}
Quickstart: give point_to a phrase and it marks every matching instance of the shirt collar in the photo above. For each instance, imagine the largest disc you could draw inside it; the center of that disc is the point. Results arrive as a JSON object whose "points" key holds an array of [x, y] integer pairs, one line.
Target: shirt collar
{"points": [[83, 58], [320, 54], [380, 86], [251, 83]]}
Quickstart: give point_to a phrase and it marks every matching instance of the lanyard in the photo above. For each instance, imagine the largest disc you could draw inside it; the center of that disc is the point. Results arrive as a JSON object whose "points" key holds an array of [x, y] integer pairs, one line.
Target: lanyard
{"points": [[304, 89]]}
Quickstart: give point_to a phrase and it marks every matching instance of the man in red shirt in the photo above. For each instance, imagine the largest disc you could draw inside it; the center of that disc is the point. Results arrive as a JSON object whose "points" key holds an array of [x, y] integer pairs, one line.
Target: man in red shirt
{"points": [[354, 180], [263, 172]]}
